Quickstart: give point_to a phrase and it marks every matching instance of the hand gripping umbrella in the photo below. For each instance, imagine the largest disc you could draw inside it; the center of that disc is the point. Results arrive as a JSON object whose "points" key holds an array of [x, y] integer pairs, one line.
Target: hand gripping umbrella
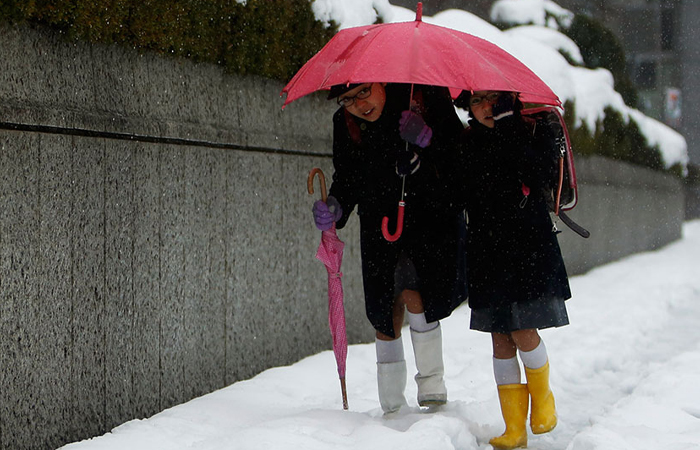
{"points": [[416, 52], [330, 253]]}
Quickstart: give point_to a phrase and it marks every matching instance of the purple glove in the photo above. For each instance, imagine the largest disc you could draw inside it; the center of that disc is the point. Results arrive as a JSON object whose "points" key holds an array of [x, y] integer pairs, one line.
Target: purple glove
{"points": [[414, 130], [504, 106], [407, 163], [326, 213]]}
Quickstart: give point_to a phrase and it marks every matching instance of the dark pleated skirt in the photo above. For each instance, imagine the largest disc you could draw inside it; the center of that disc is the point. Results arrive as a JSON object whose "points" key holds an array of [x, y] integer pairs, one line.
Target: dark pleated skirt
{"points": [[537, 314], [405, 276]]}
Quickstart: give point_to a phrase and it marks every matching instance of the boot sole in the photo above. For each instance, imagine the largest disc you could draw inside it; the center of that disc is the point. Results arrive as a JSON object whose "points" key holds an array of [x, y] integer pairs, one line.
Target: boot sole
{"points": [[432, 402]]}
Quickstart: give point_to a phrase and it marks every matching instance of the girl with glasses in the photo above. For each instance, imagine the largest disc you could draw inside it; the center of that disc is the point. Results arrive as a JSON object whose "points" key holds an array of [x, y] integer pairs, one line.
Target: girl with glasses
{"points": [[420, 271]]}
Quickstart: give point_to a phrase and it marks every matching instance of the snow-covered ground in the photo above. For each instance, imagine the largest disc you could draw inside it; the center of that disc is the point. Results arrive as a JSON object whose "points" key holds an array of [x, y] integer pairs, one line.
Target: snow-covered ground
{"points": [[625, 372], [625, 375], [537, 46]]}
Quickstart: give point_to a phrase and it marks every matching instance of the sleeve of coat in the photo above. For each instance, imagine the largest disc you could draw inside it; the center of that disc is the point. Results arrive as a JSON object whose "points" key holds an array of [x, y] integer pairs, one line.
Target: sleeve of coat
{"points": [[347, 176], [440, 115]]}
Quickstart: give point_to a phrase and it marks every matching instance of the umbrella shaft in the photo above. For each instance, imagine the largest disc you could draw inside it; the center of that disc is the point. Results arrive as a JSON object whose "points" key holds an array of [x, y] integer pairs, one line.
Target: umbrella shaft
{"points": [[403, 177]]}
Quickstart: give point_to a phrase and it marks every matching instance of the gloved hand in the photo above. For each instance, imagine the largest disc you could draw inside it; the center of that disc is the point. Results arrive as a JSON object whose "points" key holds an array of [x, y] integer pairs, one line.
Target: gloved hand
{"points": [[326, 213], [414, 130], [407, 163], [504, 106]]}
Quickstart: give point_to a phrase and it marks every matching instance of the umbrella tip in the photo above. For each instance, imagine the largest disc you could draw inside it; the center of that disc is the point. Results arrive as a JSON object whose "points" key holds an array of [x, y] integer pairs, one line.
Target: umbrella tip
{"points": [[419, 12]]}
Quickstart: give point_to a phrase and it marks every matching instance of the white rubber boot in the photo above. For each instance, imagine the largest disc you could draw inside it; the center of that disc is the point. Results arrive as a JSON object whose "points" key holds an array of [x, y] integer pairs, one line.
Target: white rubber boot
{"points": [[427, 348], [391, 381]]}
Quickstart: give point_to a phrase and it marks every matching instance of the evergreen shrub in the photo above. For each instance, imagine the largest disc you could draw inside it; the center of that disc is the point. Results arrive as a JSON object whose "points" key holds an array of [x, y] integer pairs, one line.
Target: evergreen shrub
{"points": [[270, 38], [600, 48], [693, 178], [613, 138]]}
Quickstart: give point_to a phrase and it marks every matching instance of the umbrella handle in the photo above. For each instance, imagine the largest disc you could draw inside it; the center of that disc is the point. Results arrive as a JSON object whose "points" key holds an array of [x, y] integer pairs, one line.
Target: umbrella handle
{"points": [[310, 182], [399, 225]]}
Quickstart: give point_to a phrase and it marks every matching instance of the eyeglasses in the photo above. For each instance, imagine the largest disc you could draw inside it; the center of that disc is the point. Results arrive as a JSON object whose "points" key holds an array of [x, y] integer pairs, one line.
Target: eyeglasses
{"points": [[363, 94], [476, 100]]}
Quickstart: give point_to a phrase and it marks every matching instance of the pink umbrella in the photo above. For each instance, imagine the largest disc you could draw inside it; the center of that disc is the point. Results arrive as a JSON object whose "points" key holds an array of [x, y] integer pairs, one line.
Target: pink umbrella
{"points": [[421, 53], [330, 253]]}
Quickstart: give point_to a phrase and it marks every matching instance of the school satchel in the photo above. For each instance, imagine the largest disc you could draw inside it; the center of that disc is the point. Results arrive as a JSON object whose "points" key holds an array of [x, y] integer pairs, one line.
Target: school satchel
{"points": [[561, 192]]}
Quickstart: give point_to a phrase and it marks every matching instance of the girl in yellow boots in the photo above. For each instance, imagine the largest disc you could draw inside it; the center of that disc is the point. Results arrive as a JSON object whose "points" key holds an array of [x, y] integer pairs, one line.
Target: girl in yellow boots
{"points": [[517, 278]]}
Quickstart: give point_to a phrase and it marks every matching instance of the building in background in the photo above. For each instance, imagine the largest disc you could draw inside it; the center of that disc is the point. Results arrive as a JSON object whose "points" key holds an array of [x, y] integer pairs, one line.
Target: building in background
{"points": [[661, 43]]}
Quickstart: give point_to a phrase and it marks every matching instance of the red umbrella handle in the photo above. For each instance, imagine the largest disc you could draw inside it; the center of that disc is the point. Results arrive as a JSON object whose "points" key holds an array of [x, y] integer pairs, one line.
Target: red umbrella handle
{"points": [[399, 225], [310, 182]]}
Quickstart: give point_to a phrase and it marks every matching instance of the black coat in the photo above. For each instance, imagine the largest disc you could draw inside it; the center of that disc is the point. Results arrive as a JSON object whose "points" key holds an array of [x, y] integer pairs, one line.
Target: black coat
{"points": [[514, 255], [364, 159]]}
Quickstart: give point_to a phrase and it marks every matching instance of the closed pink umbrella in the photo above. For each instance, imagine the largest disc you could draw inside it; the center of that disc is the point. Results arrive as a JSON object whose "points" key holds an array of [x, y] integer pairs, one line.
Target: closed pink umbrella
{"points": [[330, 253]]}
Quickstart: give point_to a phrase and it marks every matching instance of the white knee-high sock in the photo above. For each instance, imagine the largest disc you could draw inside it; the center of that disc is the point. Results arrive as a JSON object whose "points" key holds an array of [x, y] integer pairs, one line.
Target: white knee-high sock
{"points": [[506, 371], [418, 323], [534, 359], [389, 351]]}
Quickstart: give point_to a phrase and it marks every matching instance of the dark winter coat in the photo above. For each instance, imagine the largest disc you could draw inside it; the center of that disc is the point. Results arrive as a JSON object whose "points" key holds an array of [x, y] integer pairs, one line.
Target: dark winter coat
{"points": [[364, 159], [513, 253]]}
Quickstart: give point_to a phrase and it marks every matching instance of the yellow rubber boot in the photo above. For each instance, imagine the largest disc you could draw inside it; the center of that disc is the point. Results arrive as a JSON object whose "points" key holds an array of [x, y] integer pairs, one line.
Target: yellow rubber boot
{"points": [[543, 417], [514, 405]]}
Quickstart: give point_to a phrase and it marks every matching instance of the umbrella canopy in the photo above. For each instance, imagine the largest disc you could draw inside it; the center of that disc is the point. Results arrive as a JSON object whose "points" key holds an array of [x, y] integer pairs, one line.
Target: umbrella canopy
{"points": [[421, 53], [330, 253]]}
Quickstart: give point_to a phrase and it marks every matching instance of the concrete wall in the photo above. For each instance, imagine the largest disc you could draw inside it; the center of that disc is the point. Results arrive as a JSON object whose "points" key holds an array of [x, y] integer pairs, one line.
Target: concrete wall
{"points": [[627, 209], [156, 241], [137, 274]]}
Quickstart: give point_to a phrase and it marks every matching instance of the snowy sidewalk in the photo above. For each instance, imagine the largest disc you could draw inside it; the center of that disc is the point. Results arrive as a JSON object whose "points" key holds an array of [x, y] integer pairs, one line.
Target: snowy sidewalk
{"points": [[625, 375]]}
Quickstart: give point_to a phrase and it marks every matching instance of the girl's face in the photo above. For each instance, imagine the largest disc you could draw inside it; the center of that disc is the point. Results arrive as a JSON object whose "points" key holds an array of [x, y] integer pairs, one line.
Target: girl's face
{"points": [[369, 108], [481, 104]]}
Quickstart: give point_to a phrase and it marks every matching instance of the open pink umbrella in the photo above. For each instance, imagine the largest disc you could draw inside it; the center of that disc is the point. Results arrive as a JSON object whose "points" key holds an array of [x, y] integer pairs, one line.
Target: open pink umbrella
{"points": [[421, 53], [330, 253]]}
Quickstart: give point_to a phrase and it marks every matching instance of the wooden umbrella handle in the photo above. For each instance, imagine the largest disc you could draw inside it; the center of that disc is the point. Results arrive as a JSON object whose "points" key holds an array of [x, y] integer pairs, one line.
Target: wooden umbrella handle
{"points": [[310, 182]]}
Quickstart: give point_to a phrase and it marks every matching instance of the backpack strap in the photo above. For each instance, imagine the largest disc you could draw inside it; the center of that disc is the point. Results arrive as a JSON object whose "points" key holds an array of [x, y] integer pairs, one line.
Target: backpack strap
{"points": [[564, 157], [578, 229]]}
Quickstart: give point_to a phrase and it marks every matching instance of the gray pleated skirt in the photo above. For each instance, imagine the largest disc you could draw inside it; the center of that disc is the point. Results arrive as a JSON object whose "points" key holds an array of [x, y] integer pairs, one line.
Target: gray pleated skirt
{"points": [[520, 316]]}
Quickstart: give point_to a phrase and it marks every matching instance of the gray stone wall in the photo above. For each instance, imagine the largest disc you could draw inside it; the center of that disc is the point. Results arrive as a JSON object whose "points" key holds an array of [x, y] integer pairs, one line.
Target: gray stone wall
{"points": [[155, 235], [627, 209], [156, 241]]}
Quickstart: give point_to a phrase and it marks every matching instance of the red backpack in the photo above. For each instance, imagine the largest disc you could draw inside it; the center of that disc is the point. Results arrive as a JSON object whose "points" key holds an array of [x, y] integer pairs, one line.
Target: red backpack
{"points": [[561, 192]]}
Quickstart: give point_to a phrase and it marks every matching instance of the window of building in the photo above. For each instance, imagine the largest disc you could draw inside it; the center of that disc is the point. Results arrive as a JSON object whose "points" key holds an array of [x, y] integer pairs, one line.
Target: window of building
{"points": [[668, 31], [645, 75]]}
